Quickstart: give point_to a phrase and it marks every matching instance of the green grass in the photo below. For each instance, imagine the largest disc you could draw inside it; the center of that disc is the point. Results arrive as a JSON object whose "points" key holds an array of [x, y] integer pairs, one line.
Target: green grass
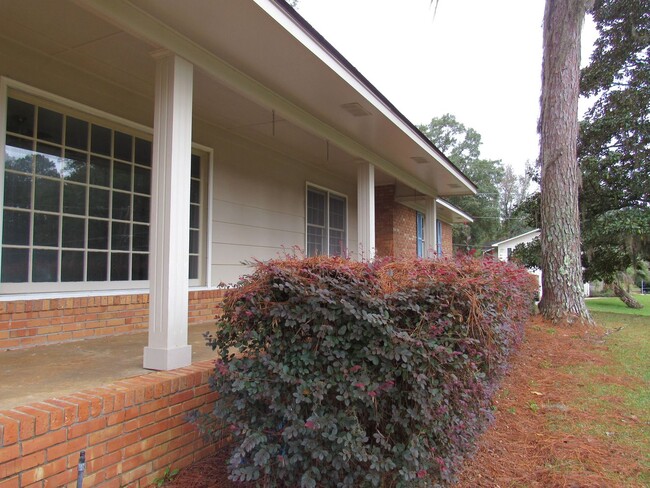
{"points": [[615, 305], [619, 391]]}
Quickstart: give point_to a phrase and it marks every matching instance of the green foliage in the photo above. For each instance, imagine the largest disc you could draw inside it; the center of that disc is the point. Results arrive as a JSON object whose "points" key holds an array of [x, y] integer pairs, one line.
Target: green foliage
{"points": [[529, 254], [462, 145], [615, 141], [168, 476], [337, 373]]}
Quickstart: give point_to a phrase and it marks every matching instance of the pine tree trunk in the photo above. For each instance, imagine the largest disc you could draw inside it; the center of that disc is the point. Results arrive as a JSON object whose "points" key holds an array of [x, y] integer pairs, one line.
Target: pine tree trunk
{"points": [[562, 298], [625, 297]]}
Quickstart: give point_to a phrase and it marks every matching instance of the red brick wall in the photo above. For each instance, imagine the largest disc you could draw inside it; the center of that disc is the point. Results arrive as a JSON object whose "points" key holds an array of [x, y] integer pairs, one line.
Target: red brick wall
{"points": [[447, 235], [384, 203], [25, 323], [395, 225], [405, 232], [131, 430]]}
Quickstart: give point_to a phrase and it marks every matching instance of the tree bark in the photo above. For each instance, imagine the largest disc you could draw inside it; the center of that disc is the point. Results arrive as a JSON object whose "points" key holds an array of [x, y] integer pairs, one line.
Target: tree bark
{"points": [[562, 297], [625, 297]]}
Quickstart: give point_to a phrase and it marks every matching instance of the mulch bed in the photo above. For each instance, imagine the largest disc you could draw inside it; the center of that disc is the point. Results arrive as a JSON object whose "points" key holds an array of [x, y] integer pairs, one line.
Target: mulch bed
{"points": [[521, 448]]}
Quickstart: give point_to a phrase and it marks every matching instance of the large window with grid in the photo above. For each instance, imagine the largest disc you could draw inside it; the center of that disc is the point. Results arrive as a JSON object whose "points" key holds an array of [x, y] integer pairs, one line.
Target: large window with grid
{"points": [[77, 197], [326, 222]]}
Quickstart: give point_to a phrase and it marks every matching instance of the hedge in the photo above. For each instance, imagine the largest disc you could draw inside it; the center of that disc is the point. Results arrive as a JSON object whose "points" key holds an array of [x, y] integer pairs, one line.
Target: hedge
{"points": [[341, 373]]}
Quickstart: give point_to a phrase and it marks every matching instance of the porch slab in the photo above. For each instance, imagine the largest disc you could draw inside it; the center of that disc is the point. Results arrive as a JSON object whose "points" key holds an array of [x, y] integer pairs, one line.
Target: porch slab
{"points": [[43, 372]]}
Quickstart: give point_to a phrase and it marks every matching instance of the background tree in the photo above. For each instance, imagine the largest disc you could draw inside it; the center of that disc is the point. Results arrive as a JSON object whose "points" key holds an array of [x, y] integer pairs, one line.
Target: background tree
{"points": [[513, 191], [615, 144], [562, 295], [461, 145]]}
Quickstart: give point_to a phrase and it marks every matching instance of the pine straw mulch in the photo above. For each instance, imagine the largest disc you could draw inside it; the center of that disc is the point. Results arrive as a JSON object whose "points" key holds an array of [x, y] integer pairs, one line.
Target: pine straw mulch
{"points": [[524, 447]]}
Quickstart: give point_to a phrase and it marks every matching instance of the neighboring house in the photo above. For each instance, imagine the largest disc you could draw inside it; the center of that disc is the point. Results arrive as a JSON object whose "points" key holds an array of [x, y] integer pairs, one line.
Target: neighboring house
{"points": [[505, 248], [150, 147]]}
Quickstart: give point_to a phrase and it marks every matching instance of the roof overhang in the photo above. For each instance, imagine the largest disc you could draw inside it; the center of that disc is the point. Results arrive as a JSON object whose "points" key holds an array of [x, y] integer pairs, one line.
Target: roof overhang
{"points": [[525, 234], [265, 52], [444, 210]]}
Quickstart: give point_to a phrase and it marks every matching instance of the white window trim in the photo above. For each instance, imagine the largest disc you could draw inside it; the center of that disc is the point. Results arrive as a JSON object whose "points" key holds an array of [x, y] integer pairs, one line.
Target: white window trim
{"points": [[90, 113], [329, 191]]}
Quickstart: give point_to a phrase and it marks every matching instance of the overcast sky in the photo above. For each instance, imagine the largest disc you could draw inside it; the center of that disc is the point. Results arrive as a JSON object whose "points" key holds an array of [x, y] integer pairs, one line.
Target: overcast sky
{"points": [[479, 60]]}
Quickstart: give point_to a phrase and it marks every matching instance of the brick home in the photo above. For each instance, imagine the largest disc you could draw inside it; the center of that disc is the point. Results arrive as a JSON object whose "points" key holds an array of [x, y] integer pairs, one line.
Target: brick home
{"points": [[151, 147]]}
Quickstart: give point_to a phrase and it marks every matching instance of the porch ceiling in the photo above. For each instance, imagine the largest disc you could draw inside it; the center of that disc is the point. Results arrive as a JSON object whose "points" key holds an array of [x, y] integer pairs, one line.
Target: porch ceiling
{"points": [[241, 34]]}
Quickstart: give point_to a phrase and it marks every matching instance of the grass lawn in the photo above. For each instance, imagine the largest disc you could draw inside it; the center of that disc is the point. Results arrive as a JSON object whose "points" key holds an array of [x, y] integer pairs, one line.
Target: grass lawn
{"points": [[615, 305]]}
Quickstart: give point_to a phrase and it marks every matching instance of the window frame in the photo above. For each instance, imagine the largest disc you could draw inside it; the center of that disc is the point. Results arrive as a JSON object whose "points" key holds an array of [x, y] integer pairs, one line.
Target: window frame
{"points": [[328, 192], [14, 89], [420, 241]]}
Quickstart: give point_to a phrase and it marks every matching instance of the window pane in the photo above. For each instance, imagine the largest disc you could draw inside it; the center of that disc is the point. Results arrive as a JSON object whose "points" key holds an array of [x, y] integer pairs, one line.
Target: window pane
{"points": [[122, 176], [76, 133], [142, 182], [20, 117], [100, 171], [47, 195], [143, 152], [119, 266], [337, 212], [15, 265], [98, 200], [46, 230], [141, 208], [72, 266], [122, 146], [315, 207], [97, 234], [194, 268], [45, 265], [18, 154], [194, 241], [50, 126], [97, 266], [100, 141], [48, 160], [74, 232], [15, 228], [74, 199], [195, 191], [140, 237], [74, 166], [337, 242], [18, 190], [120, 236], [121, 205], [315, 241], [140, 267], [195, 214], [196, 166]]}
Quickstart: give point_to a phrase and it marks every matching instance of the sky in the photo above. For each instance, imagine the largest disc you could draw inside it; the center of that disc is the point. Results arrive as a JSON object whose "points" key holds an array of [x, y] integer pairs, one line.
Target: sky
{"points": [[476, 59]]}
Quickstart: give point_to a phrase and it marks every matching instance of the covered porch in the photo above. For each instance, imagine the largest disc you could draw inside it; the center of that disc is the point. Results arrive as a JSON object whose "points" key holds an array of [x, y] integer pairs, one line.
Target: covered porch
{"points": [[119, 116]]}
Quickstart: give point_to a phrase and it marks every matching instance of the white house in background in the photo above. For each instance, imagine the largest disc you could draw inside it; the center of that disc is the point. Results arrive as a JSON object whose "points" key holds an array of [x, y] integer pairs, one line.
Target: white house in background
{"points": [[505, 248], [150, 146]]}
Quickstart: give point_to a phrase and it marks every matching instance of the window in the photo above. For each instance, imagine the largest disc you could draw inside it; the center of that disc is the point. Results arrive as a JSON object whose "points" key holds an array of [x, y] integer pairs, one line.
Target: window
{"points": [[419, 224], [77, 197], [326, 223], [439, 237]]}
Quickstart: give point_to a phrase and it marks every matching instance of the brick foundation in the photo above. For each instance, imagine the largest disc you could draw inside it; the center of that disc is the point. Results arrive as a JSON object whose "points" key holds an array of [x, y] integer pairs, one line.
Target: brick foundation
{"points": [[131, 430], [25, 323]]}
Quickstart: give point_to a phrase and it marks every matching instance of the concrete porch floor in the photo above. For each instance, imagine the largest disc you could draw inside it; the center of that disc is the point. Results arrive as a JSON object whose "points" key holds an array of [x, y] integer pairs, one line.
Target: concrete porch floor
{"points": [[50, 371]]}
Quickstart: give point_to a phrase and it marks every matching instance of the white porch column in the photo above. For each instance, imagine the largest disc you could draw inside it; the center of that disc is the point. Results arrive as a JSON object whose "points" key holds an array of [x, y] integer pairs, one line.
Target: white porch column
{"points": [[366, 210], [430, 228], [170, 203]]}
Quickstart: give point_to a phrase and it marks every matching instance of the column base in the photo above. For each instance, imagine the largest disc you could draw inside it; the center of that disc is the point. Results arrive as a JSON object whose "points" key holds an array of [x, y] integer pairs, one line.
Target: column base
{"points": [[166, 359]]}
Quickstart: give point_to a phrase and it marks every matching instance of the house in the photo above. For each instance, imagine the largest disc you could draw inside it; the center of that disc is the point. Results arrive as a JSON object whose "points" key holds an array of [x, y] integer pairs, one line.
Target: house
{"points": [[151, 146]]}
